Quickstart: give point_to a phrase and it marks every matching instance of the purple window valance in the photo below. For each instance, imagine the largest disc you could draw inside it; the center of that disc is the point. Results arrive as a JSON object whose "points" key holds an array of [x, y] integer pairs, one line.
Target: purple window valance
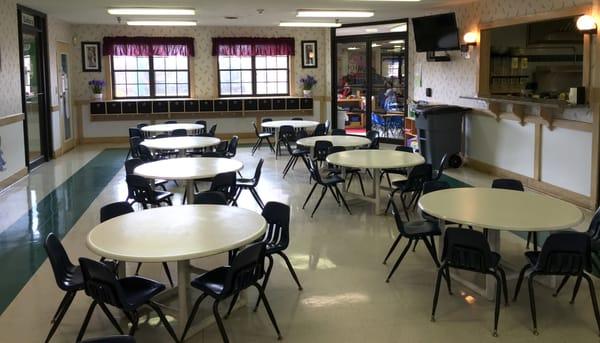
{"points": [[249, 46], [148, 46]]}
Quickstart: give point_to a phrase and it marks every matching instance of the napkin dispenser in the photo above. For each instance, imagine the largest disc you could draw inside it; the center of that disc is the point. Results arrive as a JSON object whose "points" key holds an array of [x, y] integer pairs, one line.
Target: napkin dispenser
{"points": [[577, 95]]}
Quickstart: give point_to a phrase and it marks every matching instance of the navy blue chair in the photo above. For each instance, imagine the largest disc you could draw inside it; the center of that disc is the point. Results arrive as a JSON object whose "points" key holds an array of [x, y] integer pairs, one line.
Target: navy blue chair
{"points": [[295, 155], [469, 250], [210, 198], [413, 186], [327, 183], [260, 137], [127, 294], [246, 269], [563, 254], [250, 184]]}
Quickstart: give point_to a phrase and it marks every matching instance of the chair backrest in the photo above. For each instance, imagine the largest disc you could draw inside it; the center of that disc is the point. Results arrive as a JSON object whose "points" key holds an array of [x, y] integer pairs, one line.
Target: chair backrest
{"points": [[258, 171], [417, 176], [594, 228], [441, 166], [141, 125], [131, 164], [397, 217], [404, 148], [467, 249], [225, 183], [287, 144], [213, 130], [232, 146], [327, 126], [321, 150], [320, 130], [334, 149], [203, 123], [101, 284], [179, 133], [135, 132], [565, 253], [134, 146], [297, 118], [301, 133], [264, 120], [171, 122], [510, 184], [222, 147], [277, 216], [59, 260], [140, 189], [246, 268], [338, 132], [288, 132], [145, 154], [314, 171], [114, 209], [373, 135], [210, 198], [255, 129], [267, 129], [433, 186]]}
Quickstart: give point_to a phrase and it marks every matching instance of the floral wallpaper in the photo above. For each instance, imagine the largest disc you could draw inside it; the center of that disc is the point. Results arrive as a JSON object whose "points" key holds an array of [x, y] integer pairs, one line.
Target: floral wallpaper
{"points": [[204, 64], [10, 81]]}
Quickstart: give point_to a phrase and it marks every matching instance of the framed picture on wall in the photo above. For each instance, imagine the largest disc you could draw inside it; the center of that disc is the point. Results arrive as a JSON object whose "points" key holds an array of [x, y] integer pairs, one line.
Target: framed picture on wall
{"points": [[309, 53], [90, 56]]}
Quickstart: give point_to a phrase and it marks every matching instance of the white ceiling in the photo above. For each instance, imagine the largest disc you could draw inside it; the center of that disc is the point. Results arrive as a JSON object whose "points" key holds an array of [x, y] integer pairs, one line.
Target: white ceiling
{"points": [[211, 12]]}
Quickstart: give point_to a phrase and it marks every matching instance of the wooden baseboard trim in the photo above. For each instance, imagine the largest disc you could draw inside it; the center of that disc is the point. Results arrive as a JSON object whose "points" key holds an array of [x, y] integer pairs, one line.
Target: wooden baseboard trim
{"points": [[13, 178], [11, 118], [540, 186]]}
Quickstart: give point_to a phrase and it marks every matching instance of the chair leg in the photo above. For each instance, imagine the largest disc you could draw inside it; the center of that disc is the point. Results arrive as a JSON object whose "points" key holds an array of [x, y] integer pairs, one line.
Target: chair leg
{"points": [[219, 322], [362, 186], [231, 305], [430, 250], [436, 293], [110, 317], [168, 272], [309, 195], [594, 299], [288, 166], [532, 303], [529, 234], [137, 269], [86, 321], [262, 295], [562, 284], [319, 202], [60, 313], [334, 196], [448, 280], [266, 280], [343, 200], [576, 289], [497, 307], [163, 320], [404, 207], [350, 181], [504, 284], [134, 318], [257, 197], [192, 315], [392, 248], [408, 245], [290, 268], [270, 145], [520, 281]]}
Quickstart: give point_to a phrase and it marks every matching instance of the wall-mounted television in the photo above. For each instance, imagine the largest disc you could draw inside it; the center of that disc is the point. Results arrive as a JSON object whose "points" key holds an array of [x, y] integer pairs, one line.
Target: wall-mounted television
{"points": [[436, 33]]}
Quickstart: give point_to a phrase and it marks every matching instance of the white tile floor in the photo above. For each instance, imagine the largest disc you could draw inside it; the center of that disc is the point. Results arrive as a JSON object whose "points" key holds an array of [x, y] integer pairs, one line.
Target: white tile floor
{"points": [[338, 259]]}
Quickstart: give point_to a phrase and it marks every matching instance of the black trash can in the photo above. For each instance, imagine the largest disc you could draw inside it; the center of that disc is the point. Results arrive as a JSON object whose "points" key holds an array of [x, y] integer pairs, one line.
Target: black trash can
{"points": [[439, 128]]}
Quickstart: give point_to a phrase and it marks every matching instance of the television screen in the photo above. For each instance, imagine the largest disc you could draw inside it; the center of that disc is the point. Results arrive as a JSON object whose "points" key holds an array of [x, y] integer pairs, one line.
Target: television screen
{"points": [[436, 33]]}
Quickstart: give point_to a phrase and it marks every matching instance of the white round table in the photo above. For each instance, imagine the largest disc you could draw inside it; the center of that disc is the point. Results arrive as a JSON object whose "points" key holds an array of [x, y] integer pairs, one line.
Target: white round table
{"points": [[499, 210], [176, 233], [345, 141], [180, 143], [296, 124], [188, 169], [375, 160], [189, 127]]}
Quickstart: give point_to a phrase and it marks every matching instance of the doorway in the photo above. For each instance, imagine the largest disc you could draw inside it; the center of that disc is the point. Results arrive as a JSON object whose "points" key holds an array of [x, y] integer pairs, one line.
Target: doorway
{"points": [[67, 123], [370, 82], [33, 48]]}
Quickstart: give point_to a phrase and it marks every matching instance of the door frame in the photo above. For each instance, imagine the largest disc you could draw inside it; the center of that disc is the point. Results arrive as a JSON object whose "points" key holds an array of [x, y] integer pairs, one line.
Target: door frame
{"points": [[368, 39], [44, 110], [66, 144]]}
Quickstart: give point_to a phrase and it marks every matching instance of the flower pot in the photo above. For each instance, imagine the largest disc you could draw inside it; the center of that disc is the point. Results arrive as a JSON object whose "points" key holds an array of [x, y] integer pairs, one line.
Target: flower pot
{"points": [[307, 93], [98, 96]]}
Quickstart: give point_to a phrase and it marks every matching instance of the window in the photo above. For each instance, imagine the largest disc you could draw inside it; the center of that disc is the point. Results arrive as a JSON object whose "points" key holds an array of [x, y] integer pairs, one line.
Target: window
{"points": [[259, 75], [143, 76]]}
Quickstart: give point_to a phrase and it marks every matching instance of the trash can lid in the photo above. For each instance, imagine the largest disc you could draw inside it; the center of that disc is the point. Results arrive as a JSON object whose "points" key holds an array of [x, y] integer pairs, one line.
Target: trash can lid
{"points": [[440, 109]]}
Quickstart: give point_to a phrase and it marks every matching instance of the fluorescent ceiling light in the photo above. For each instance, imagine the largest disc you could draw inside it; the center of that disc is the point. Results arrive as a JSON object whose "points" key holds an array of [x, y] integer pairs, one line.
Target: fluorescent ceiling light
{"points": [[371, 30], [308, 24], [398, 47], [333, 14], [399, 28], [161, 23], [353, 48], [397, 42], [151, 11]]}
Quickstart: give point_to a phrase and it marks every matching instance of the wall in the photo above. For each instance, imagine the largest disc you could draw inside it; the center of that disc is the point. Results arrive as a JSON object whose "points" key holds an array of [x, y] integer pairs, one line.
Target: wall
{"points": [[11, 135], [504, 144]]}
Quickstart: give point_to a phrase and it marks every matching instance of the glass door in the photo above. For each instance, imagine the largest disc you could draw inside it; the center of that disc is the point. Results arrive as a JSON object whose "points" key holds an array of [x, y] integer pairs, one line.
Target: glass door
{"points": [[351, 87], [33, 80], [64, 97]]}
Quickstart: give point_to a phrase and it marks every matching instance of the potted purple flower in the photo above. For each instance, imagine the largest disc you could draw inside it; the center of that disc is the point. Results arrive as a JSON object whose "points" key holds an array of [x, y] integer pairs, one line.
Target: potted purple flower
{"points": [[97, 87], [307, 84]]}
